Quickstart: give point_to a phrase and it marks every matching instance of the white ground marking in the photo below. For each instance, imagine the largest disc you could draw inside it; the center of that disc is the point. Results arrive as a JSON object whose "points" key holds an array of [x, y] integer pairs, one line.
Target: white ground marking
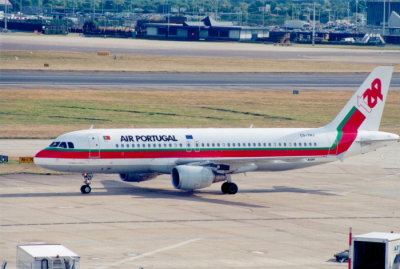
{"points": [[151, 253]]}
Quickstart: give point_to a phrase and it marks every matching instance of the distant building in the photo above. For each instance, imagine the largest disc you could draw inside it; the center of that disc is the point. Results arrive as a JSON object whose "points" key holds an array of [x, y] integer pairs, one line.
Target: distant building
{"points": [[375, 10], [394, 24], [207, 29], [3, 4]]}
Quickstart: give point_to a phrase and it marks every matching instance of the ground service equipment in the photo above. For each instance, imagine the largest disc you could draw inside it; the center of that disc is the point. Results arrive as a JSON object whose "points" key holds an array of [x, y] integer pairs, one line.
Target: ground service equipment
{"points": [[46, 257], [376, 251]]}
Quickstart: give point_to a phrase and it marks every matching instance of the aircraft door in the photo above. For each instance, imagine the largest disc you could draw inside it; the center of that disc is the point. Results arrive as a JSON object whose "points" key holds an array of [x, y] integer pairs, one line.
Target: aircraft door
{"points": [[94, 147], [333, 150]]}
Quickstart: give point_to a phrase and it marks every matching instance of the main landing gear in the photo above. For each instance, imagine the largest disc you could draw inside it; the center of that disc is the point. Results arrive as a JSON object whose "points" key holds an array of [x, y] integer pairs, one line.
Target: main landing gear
{"points": [[229, 188], [85, 189]]}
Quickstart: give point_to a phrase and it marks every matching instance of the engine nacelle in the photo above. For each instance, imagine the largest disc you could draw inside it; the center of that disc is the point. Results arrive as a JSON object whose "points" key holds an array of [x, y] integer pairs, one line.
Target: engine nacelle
{"points": [[188, 177], [137, 177]]}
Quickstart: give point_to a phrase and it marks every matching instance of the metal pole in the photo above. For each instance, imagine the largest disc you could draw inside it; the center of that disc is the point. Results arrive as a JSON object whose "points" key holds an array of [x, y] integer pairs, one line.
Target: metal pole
{"points": [[356, 15], [5, 15], [384, 17], [94, 10], [350, 243], [313, 28]]}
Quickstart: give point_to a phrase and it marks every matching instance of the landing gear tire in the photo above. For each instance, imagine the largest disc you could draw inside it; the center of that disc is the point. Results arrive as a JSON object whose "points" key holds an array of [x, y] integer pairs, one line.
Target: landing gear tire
{"points": [[86, 189], [229, 188], [224, 187]]}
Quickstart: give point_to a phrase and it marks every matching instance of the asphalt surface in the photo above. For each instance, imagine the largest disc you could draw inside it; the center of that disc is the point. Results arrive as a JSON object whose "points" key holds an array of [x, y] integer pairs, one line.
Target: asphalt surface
{"points": [[134, 79]]}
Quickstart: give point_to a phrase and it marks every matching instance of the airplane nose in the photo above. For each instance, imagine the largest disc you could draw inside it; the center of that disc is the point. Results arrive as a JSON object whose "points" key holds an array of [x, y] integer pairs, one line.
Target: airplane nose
{"points": [[40, 159]]}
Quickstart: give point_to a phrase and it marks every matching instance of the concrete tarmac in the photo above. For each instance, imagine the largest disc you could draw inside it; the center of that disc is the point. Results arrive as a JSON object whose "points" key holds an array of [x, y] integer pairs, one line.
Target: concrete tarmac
{"points": [[76, 43], [292, 219]]}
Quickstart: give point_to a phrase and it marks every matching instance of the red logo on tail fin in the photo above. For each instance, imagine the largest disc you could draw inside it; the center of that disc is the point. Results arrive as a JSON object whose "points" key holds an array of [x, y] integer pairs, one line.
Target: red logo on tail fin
{"points": [[370, 97]]}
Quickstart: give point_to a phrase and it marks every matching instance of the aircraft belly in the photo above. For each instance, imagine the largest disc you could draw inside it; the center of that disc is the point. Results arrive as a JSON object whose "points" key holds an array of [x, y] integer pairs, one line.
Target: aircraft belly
{"points": [[281, 165]]}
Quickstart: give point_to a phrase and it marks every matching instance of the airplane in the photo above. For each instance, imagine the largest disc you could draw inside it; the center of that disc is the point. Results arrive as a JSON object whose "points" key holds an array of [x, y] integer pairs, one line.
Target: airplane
{"points": [[197, 158]]}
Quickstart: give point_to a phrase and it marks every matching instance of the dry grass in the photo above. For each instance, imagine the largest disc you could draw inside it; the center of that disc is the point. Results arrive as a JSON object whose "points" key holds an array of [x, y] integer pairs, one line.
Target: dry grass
{"points": [[49, 113], [35, 60]]}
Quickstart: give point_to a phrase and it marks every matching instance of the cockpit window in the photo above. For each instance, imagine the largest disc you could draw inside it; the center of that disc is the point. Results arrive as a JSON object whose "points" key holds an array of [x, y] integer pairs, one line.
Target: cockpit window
{"points": [[54, 144], [63, 145]]}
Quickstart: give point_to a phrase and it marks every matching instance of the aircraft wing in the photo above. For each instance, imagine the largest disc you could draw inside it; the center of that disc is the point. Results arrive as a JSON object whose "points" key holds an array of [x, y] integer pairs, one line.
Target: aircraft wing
{"points": [[242, 165]]}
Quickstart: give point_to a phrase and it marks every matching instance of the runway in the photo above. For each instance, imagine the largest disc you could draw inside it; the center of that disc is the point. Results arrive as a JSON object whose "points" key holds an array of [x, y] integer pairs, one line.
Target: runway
{"points": [[116, 80], [292, 219]]}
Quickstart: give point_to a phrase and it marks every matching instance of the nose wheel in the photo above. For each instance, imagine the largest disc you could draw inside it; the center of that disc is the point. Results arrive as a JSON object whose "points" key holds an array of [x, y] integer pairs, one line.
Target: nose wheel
{"points": [[86, 189], [229, 188]]}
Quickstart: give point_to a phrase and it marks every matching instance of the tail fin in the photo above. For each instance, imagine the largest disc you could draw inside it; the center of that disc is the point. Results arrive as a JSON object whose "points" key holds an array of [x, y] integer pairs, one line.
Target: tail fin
{"points": [[364, 110]]}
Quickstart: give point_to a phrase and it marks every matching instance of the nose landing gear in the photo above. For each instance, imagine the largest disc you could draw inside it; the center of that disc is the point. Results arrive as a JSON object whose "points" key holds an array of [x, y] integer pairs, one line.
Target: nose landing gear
{"points": [[86, 189]]}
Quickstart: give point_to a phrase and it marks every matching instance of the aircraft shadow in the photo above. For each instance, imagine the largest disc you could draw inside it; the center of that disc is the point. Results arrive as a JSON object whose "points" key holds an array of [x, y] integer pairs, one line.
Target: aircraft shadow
{"points": [[114, 187]]}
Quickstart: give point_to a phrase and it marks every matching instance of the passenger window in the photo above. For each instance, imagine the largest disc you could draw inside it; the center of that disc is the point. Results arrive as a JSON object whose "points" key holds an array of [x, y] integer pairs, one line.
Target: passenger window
{"points": [[269, 144], [218, 145], [116, 145], [294, 144], [213, 145], [127, 145], [159, 145], [202, 145], [143, 145], [133, 145], [310, 144], [233, 145], [122, 145], [315, 144], [63, 145], [264, 144], [284, 144], [229, 144], [238, 144]]}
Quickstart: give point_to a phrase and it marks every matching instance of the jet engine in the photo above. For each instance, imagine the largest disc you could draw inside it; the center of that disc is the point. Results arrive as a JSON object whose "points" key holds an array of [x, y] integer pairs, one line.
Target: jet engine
{"points": [[137, 177], [187, 177]]}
